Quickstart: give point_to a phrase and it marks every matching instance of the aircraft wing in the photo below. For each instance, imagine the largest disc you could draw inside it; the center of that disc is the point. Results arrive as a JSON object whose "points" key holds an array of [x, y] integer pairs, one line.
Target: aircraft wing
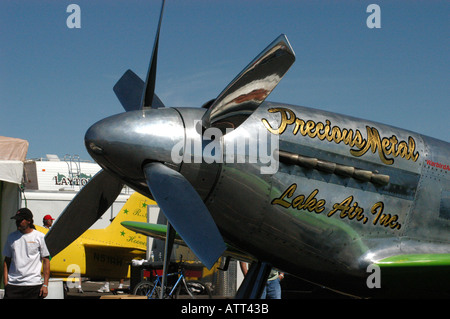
{"points": [[416, 260], [159, 231], [427, 271]]}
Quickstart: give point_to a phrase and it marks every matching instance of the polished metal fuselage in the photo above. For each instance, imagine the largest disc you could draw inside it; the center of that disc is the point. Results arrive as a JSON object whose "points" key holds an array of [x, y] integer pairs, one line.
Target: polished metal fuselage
{"points": [[301, 218], [314, 221]]}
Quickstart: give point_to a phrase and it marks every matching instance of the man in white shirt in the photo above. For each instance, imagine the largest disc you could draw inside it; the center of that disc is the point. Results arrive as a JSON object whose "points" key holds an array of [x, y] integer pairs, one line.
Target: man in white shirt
{"points": [[25, 252]]}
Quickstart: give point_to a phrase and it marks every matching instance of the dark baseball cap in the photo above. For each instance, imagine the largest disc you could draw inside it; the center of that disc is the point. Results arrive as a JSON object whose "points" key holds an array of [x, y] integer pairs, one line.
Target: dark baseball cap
{"points": [[23, 213]]}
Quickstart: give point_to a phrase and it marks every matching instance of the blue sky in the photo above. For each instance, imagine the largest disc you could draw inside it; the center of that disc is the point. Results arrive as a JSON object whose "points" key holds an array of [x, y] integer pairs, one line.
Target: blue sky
{"points": [[55, 81]]}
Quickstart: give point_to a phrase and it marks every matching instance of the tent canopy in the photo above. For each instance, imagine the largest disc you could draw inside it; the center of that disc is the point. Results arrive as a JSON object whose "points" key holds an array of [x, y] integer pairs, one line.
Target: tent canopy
{"points": [[13, 149], [13, 152]]}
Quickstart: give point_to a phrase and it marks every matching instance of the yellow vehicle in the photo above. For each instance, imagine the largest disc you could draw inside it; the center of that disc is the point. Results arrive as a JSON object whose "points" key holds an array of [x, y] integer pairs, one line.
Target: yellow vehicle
{"points": [[104, 253]]}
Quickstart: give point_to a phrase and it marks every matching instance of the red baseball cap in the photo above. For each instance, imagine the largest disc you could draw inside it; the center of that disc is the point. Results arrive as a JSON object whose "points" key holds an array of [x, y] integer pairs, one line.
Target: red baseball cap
{"points": [[47, 217]]}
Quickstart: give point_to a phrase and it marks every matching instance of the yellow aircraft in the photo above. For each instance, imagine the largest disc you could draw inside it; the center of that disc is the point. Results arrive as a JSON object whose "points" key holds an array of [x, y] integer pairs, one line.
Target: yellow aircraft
{"points": [[104, 253]]}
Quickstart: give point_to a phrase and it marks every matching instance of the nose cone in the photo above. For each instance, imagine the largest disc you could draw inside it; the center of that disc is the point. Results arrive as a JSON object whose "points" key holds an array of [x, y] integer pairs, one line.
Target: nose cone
{"points": [[123, 142]]}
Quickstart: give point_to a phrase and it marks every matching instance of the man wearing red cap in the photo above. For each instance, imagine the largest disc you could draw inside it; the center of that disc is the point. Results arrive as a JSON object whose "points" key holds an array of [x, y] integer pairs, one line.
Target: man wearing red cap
{"points": [[25, 252], [48, 221]]}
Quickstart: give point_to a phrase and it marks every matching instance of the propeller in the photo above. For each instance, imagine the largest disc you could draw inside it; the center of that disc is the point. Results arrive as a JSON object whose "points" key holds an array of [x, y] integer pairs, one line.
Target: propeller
{"points": [[129, 90], [251, 87], [186, 211], [147, 96], [179, 201], [90, 203]]}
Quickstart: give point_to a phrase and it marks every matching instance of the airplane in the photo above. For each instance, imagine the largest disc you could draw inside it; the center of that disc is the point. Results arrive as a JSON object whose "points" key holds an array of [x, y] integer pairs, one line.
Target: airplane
{"points": [[104, 253], [341, 202]]}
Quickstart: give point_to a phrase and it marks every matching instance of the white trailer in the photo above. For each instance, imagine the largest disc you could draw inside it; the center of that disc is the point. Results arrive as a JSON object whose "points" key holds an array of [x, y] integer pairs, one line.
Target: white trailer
{"points": [[51, 183]]}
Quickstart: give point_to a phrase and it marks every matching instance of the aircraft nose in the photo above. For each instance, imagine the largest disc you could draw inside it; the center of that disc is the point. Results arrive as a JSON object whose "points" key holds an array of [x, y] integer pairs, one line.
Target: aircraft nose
{"points": [[130, 139]]}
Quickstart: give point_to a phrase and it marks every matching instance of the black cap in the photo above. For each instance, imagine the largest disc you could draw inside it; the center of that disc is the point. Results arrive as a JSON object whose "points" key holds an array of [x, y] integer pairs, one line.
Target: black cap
{"points": [[23, 213]]}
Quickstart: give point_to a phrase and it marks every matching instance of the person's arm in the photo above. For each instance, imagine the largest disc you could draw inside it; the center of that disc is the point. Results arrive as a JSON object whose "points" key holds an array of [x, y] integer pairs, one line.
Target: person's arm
{"points": [[244, 268], [46, 271], [6, 264]]}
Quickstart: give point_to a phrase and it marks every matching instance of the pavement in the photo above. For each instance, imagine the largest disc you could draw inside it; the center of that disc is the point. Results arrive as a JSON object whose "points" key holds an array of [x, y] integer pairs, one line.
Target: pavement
{"points": [[291, 289], [90, 290]]}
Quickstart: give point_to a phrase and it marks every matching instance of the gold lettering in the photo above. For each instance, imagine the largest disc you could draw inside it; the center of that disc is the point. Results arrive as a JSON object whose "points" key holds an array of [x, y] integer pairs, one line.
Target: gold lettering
{"points": [[319, 207], [402, 149], [343, 207], [386, 145], [394, 142], [336, 134], [326, 129], [298, 125], [359, 140], [309, 129], [300, 202], [382, 219], [347, 136], [360, 145], [285, 121], [356, 211], [347, 209], [412, 146], [289, 192], [319, 128]]}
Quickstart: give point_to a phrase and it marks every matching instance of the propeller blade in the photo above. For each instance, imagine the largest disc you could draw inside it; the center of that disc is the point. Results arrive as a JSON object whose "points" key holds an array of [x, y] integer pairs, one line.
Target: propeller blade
{"points": [[83, 211], [147, 97], [251, 87], [185, 211], [129, 90]]}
